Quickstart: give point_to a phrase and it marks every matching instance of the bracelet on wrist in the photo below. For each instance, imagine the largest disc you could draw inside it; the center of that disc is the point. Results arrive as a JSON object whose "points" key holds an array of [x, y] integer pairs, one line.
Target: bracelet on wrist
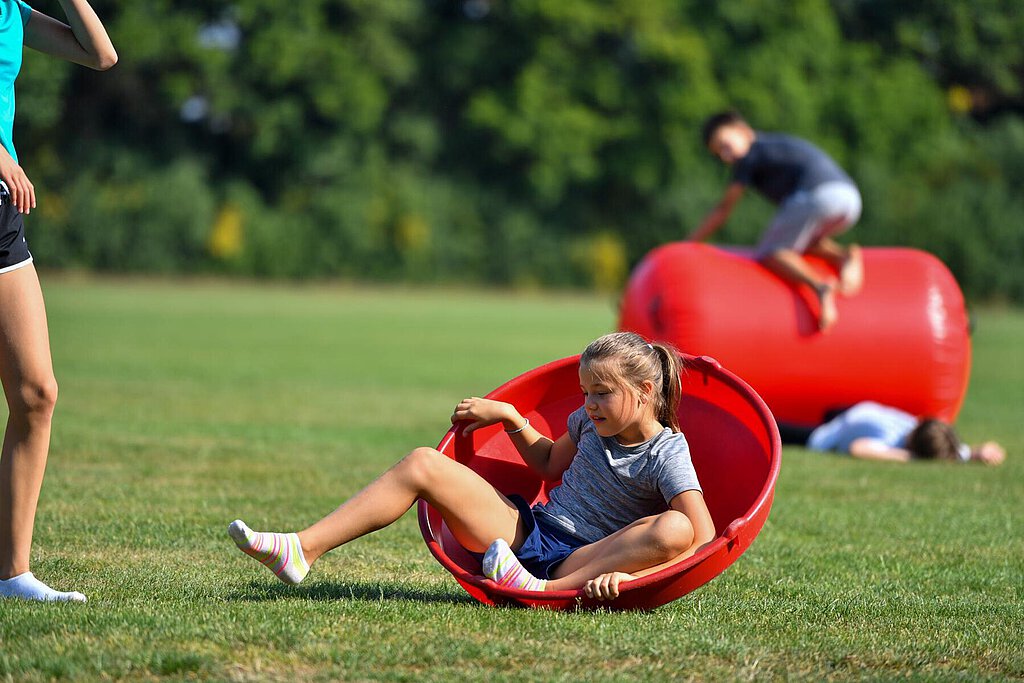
{"points": [[516, 431]]}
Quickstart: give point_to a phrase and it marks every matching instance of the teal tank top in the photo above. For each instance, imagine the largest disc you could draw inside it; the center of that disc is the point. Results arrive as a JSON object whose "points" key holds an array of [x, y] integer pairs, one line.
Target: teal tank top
{"points": [[14, 15]]}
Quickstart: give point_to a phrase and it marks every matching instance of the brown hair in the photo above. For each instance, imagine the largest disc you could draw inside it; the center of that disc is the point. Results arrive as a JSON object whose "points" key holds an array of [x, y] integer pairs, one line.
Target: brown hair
{"points": [[630, 360], [715, 121], [933, 438]]}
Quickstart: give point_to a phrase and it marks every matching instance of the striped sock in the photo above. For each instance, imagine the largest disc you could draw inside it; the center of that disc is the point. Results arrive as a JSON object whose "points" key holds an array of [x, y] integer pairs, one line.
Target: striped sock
{"points": [[503, 567], [280, 553]]}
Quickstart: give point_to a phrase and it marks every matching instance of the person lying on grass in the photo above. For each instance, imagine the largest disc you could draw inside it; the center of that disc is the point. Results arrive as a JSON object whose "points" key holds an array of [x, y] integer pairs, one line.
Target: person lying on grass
{"points": [[873, 431], [629, 503]]}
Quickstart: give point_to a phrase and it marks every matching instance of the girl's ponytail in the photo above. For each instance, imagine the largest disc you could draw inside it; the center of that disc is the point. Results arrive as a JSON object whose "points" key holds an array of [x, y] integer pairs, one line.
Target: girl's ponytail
{"points": [[671, 385]]}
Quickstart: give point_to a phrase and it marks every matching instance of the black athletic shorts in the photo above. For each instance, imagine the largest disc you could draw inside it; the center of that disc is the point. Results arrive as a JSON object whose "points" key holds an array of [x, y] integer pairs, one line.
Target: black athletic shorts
{"points": [[13, 247]]}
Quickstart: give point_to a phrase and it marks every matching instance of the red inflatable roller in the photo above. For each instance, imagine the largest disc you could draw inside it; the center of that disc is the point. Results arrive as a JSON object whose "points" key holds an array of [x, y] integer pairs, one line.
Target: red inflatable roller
{"points": [[736, 451], [902, 341]]}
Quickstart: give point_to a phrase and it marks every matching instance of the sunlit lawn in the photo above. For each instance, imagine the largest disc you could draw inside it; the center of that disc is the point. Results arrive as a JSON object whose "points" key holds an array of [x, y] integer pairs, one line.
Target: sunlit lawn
{"points": [[185, 405]]}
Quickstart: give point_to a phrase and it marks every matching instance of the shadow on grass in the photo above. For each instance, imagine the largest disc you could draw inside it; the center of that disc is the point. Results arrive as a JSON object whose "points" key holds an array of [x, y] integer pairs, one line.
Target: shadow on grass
{"points": [[366, 591]]}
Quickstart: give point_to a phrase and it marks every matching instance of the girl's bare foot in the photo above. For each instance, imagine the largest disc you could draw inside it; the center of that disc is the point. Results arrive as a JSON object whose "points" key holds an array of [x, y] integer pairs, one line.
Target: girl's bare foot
{"points": [[851, 274]]}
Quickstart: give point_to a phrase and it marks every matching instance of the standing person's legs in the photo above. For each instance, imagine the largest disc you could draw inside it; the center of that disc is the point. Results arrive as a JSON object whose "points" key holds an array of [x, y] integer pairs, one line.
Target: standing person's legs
{"points": [[29, 386], [474, 510]]}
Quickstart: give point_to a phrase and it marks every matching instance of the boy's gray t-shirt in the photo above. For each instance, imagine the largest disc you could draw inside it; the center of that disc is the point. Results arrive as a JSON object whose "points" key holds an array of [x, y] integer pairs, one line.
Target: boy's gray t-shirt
{"points": [[609, 486]]}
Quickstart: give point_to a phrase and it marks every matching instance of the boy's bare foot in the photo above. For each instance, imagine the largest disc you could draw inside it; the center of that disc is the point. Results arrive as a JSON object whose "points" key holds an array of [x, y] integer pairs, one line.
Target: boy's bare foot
{"points": [[827, 314], [851, 274]]}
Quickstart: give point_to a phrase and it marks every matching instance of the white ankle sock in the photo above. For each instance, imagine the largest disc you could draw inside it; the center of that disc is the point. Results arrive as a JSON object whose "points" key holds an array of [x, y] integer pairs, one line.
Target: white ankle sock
{"points": [[28, 587]]}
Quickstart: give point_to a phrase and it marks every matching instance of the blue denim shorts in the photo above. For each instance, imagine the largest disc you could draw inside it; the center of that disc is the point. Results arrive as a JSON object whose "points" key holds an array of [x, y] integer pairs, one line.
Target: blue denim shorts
{"points": [[546, 544]]}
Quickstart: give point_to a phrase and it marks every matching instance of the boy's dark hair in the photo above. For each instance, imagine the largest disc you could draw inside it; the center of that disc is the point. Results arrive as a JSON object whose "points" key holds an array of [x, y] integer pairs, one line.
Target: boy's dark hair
{"points": [[934, 439], [716, 121]]}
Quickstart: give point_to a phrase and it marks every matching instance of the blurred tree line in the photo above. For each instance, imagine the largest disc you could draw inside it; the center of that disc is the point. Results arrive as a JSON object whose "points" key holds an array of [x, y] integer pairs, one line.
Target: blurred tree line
{"points": [[548, 142]]}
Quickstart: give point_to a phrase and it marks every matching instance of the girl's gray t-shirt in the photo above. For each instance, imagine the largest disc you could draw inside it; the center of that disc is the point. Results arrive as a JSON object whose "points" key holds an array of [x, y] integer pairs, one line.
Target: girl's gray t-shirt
{"points": [[608, 486]]}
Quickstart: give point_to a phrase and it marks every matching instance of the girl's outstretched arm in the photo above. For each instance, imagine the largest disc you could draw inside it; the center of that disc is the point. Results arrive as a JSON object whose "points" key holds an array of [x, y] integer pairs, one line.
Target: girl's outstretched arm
{"points": [[867, 448], [84, 41], [989, 453], [547, 458]]}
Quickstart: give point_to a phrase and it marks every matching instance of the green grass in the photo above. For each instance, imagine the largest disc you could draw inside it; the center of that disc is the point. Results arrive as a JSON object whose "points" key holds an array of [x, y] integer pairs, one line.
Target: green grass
{"points": [[184, 406]]}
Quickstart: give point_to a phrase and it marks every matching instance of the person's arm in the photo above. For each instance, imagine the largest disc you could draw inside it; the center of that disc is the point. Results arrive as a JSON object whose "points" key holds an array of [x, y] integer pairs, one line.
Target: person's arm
{"points": [[872, 449], [720, 214], [691, 504], [83, 40], [547, 458], [23, 193], [989, 453]]}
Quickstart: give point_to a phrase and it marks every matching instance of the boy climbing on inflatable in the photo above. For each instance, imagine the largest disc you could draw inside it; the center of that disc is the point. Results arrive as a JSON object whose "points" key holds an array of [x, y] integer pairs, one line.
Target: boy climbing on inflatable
{"points": [[816, 198], [629, 502]]}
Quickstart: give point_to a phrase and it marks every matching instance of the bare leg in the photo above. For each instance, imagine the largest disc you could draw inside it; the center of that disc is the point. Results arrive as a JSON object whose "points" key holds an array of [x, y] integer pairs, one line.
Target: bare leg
{"points": [[851, 273], [31, 392], [643, 547], [830, 250], [791, 266], [848, 261], [474, 510]]}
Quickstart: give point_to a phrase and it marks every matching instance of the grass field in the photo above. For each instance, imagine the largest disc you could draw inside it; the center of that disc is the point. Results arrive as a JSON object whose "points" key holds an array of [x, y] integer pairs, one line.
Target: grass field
{"points": [[184, 406]]}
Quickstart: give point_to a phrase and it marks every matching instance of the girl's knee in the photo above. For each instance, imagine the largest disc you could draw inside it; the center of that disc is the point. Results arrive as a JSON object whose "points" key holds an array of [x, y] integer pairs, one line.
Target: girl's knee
{"points": [[422, 465], [35, 399], [671, 533]]}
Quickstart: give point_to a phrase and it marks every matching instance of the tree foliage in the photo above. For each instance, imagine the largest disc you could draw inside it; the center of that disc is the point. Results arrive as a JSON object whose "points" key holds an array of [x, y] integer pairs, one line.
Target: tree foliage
{"points": [[511, 141]]}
